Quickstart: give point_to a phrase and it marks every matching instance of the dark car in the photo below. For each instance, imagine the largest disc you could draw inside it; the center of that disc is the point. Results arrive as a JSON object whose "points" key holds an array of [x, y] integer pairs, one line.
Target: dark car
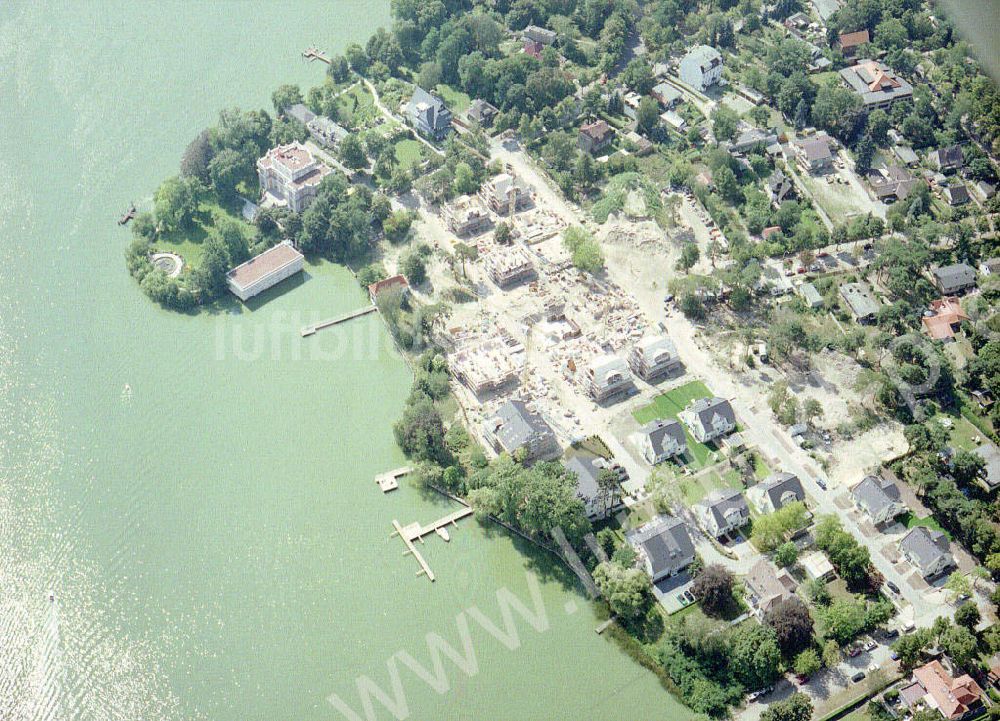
{"points": [[859, 676], [892, 586]]}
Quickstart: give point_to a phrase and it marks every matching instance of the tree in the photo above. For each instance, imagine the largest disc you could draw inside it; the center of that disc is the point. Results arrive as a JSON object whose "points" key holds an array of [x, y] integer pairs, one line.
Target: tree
{"points": [[754, 658], [910, 648], [960, 645], [352, 153], [465, 252], [725, 120], [844, 619], [647, 115], [284, 97], [797, 707], [420, 432], [792, 624], [968, 615], [714, 589], [807, 663], [197, 155], [689, 256], [585, 252], [865, 151], [837, 109], [502, 234], [465, 179], [967, 466], [831, 653], [412, 265], [397, 226], [175, 203], [958, 585], [877, 127], [627, 590], [812, 409], [727, 185], [226, 170], [786, 554], [210, 276], [692, 306]]}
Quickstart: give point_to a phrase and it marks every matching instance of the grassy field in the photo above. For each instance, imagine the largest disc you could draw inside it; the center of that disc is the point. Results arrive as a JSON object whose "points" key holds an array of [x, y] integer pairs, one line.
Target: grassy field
{"points": [[911, 521], [189, 243], [456, 100], [356, 107], [409, 152], [695, 489]]}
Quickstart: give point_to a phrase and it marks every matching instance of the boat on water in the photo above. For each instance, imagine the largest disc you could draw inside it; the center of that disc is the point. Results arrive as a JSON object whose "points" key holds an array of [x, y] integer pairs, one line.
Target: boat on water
{"points": [[443, 532]]}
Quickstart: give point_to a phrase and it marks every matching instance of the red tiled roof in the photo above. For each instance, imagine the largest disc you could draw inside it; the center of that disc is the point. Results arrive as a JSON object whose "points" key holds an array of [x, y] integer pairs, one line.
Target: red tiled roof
{"points": [[947, 313], [852, 40], [952, 696], [395, 281]]}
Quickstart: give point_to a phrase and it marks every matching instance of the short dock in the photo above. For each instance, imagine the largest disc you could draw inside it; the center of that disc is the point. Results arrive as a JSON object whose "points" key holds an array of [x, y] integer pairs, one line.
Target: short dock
{"points": [[390, 481], [128, 215], [415, 532], [314, 53], [311, 329]]}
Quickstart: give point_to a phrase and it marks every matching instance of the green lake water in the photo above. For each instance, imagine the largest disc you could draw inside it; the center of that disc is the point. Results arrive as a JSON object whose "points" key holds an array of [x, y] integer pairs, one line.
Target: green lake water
{"points": [[196, 491]]}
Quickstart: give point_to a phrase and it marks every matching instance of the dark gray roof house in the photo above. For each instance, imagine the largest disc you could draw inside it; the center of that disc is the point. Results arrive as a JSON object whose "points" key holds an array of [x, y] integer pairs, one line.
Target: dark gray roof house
{"points": [[664, 546], [945, 159], [779, 188], [482, 112], [722, 512], [956, 194], [515, 427], [928, 550], [879, 498], [776, 491], [709, 418], [598, 503], [956, 278], [428, 114], [662, 439], [300, 112], [991, 456]]}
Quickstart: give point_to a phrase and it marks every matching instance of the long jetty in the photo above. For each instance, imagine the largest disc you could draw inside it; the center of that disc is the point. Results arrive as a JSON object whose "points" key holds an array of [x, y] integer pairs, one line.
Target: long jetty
{"points": [[416, 532], [311, 329], [313, 53]]}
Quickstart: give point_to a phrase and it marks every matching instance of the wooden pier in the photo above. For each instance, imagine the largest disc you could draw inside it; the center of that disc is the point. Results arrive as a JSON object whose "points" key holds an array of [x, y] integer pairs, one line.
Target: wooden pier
{"points": [[311, 329], [416, 532], [128, 215], [313, 53], [389, 481]]}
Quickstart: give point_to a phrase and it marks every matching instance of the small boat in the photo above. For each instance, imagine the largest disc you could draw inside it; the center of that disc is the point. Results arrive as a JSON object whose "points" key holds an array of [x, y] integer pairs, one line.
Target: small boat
{"points": [[127, 215], [443, 532]]}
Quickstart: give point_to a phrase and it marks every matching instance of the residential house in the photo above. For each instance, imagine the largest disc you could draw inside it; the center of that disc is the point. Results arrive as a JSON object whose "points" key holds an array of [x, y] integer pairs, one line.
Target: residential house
{"points": [[813, 154], [598, 502], [595, 137], [811, 296], [661, 440], [540, 35], [990, 454], [876, 84], [722, 512], [630, 104], [956, 194], [289, 176], [860, 301], [779, 188], [264, 270], [934, 687], [944, 318], [517, 429], [709, 418], [749, 138], [947, 159], [954, 279], [817, 566], [928, 550], [377, 288], [642, 145], [326, 132], [906, 155], [607, 376], [701, 68], [663, 545], [505, 195], [879, 498], [481, 112], [300, 113], [990, 266], [891, 183], [654, 356], [466, 215], [776, 491], [673, 120], [985, 190], [667, 95], [848, 43], [428, 115], [768, 586]]}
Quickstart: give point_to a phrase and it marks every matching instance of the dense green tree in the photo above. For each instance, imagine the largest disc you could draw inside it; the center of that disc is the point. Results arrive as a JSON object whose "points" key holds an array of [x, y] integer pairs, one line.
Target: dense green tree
{"points": [[175, 203], [627, 590], [797, 707], [413, 265], [713, 588], [210, 276], [807, 663], [786, 554], [284, 97], [352, 153], [197, 155], [792, 624], [226, 171], [725, 121], [754, 655], [420, 432], [647, 115]]}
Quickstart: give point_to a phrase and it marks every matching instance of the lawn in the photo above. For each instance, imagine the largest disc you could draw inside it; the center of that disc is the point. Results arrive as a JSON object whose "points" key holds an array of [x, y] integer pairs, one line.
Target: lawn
{"points": [[963, 433], [456, 100], [409, 152], [668, 405], [356, 107], [911, 521], [189, 243]]}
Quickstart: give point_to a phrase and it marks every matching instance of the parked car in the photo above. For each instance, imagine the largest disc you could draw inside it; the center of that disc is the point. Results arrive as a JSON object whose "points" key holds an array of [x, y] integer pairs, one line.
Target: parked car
{"points": [[891, 633], [821, 482], [858, 677], [894, 656], [892, 586], [854, 651], [871, 645]]}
